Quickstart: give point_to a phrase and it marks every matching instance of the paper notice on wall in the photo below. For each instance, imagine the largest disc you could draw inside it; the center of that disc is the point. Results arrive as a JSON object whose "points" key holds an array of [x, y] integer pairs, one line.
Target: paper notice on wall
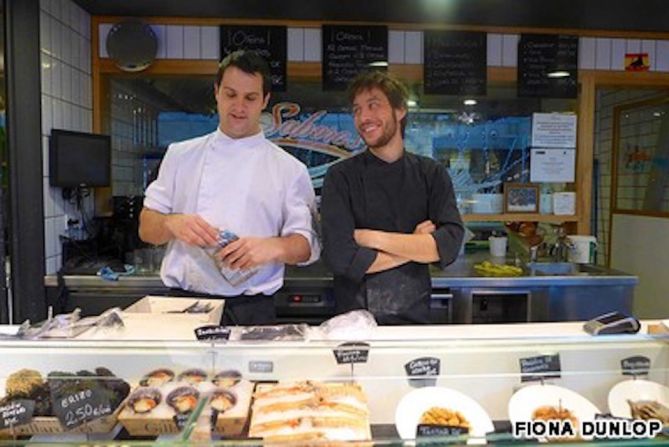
{"points": [[554, 130], [552, 165]]}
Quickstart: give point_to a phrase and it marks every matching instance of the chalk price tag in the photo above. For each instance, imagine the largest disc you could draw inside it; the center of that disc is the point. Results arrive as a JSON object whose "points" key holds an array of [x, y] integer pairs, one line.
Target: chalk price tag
{"points": [[608, 416], [422, 371], [212, 333], [540, 367], [351, 352], [77, 408], [435, 430], [637, 365], [16, 412]]}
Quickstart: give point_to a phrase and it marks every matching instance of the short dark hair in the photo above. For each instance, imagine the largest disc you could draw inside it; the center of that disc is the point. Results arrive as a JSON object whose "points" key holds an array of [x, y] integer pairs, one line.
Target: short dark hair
{"points": [[394, 89], [249, 62]]}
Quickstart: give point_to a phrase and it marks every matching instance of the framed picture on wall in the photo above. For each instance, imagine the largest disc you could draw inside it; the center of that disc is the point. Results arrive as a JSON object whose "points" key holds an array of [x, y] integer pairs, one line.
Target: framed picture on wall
{"points": [[521, 198]]}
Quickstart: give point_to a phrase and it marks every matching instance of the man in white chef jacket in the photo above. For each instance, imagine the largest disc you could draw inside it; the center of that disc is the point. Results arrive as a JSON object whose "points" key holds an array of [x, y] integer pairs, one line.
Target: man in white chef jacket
{"points": [[232, 179]]}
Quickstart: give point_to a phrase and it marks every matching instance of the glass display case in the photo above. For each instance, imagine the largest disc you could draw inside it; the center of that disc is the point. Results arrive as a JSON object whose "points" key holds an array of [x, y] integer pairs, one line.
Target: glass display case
{"points": [[470, 384]]}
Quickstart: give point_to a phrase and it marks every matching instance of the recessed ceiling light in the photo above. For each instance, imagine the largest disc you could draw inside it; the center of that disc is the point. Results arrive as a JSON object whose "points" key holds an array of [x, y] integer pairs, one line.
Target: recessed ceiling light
{"points": [[470, 102], [412, 103], [558, 74]]}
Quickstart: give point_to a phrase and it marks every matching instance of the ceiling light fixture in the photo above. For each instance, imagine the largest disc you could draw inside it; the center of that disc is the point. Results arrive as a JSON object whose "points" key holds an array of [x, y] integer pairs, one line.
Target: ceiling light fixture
{"points": [[378, 64], [470, 102]]}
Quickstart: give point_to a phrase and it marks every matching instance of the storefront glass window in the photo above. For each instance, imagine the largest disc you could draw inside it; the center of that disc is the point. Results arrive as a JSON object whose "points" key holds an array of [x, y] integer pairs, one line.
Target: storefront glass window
{"points": [[482, 145]]}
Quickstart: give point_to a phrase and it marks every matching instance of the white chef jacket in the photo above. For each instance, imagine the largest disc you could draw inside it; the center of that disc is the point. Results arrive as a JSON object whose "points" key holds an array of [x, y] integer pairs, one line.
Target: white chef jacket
{"points": [[249, 186]]}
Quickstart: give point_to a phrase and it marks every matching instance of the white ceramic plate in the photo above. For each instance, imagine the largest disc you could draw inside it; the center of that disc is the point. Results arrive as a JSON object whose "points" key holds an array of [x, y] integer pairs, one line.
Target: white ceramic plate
{"points": [[415, 403], [635, 390], [527, 399]]}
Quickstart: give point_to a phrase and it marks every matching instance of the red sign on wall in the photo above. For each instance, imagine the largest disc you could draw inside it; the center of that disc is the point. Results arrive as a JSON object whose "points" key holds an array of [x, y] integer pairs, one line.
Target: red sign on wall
{"points": [[637, 62]]}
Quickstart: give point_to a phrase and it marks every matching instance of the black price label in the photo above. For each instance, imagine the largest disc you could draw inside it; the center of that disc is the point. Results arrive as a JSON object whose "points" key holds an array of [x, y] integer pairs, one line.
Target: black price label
{"points": [[608, 416], [270, 42], [547, 66], [424, 366], [349, 50], [455, 62], [212, 333], [351, 352], [79, 407], [637, 365], [422, 371], [434, 430], [181, 419], [540, 367], [16, 412]]}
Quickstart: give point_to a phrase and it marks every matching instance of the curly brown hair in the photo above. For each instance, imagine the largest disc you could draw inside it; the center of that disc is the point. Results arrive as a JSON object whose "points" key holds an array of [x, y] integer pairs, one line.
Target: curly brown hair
{"points": [[394, 89]]}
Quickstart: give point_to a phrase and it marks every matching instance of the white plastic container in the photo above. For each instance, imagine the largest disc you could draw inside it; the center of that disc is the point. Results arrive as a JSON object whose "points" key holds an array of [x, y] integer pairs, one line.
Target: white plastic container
{"points": [[584, 249], [497, 246]]}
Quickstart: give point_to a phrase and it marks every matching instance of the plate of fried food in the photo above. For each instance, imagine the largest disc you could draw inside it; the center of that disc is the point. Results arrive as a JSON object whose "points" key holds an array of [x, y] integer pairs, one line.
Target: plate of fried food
{"points": [[435, 405], [550, 402], [640, 399]]}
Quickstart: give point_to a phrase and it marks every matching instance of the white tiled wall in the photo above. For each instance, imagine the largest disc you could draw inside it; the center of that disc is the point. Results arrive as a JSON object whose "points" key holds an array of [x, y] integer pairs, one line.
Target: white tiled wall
{"points": [[65, 44]]}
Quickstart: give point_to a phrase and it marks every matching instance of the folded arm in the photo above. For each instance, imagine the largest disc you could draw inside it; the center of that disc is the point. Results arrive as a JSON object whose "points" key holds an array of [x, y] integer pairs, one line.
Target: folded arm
{"points": [[417, 247]]}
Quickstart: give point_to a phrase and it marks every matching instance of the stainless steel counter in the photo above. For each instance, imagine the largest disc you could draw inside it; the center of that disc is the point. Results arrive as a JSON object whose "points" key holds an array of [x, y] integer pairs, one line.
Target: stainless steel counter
{"points": [[459, 274], [544, 292]]}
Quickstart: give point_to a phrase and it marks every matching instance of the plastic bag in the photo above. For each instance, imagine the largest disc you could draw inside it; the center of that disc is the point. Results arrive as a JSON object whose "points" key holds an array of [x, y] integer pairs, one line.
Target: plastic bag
{"points": [[234, 276], [353, 325]]}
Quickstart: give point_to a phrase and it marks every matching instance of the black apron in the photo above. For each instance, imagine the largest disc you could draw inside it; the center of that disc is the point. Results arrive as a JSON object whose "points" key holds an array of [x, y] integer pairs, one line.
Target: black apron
{"points": [[394, 200]]}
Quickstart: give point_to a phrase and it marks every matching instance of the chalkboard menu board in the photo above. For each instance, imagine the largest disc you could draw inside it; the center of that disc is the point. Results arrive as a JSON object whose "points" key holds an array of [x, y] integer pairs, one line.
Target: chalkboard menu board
{"points": [[541, 55], [268, 41], [349, 50], [454, 63]]}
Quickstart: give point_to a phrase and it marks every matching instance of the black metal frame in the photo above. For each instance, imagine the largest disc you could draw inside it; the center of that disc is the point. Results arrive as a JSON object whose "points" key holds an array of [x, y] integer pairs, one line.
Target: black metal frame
{"points": [[24, 142]]}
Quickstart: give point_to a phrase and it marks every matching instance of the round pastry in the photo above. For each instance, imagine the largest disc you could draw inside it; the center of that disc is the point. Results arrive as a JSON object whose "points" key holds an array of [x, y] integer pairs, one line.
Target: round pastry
{"points": [[157, 378], [223, 400], [444, 416], [193, 376], [183, 399], [23, 383], [649, 409], [143, 400], [549, 412], [227, 379]]}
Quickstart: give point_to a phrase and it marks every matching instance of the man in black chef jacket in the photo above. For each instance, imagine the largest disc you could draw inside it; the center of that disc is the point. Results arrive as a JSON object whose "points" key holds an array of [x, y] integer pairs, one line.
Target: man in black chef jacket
{"points": [[387, 213]]}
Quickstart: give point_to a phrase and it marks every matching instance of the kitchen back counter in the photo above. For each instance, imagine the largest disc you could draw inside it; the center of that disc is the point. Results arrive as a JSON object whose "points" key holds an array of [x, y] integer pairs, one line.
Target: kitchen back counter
{"points": [[545, 291]]}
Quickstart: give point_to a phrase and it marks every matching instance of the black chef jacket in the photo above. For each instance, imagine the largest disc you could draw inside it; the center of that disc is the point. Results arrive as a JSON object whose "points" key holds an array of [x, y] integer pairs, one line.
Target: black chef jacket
{"points": [[365, 192]]}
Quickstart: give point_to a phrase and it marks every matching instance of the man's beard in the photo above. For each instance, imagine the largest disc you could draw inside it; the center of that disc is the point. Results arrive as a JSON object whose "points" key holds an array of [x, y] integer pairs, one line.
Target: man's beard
{"points": [[389, 130]]}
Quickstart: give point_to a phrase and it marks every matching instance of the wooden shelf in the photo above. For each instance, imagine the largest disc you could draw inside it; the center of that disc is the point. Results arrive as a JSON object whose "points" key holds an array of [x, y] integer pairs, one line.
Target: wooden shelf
{"points": [[517, 217]]}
